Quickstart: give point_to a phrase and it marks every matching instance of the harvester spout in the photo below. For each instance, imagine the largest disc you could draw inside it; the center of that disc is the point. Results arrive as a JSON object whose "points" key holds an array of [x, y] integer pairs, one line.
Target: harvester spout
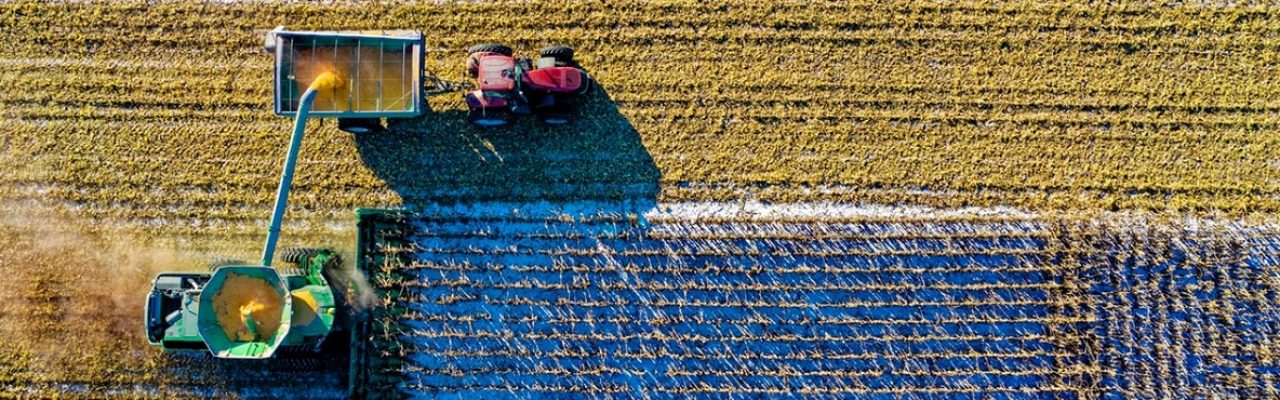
{"points": [[325, 81]]}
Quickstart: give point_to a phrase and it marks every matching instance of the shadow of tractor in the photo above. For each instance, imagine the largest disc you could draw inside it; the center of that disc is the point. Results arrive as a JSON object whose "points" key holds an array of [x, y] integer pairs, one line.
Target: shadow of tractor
{"points": [[507, 179], [441, 158]]}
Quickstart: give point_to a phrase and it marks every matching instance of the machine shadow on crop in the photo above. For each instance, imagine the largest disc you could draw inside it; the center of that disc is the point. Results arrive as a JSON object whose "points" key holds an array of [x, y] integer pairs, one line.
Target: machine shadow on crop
{"points": [[441, 158]]}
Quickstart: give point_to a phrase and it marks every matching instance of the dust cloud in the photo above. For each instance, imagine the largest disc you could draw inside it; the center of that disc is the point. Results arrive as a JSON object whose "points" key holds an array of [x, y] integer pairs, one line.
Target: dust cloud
{"points": [[71, 300]]}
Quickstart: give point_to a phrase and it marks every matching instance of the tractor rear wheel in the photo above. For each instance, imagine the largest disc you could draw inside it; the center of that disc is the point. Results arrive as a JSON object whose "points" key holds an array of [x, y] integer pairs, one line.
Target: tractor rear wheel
{"points": [[557, 111], [556, 119], [562, 54], [490, 48], [297, 255], [473, 61], [489, 117], [585, 88]]}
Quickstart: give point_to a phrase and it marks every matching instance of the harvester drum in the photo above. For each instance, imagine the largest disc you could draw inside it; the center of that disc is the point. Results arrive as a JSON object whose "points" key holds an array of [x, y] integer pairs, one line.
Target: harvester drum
{"points": [[246, 311]]}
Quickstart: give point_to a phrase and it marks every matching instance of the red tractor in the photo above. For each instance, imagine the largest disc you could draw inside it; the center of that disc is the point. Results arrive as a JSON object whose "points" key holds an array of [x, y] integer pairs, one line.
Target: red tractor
{"points": [[507, 86]]}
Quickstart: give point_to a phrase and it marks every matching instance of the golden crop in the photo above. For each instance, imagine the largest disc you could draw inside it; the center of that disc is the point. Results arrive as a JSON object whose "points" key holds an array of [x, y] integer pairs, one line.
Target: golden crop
{"points": [[1042, 106]]}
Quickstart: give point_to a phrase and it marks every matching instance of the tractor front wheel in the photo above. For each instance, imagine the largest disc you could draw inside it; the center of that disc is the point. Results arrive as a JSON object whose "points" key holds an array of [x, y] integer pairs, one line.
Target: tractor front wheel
{"points": [[489, 117]]}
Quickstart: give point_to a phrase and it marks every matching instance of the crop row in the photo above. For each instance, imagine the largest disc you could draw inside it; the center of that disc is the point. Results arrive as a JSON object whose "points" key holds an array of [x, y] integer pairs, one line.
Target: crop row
{"points": [[793, 268], [1233, 179], [227, 36], [1204, 84], [980, 162], [892, 76], [1136, 17], [563, 313]]}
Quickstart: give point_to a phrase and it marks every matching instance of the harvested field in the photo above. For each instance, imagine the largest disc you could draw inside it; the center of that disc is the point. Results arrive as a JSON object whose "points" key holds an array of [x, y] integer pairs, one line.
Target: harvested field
{"points": [[872, 199], [504, 300]]}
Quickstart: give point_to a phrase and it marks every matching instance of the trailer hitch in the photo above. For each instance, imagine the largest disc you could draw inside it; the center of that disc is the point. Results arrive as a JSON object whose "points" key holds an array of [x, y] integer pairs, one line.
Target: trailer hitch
{"points": [[433, 85]]}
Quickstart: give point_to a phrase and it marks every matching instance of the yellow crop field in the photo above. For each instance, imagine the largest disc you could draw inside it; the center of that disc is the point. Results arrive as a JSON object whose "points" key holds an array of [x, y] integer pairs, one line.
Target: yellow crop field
{"points": [[1011, 144], [136, 111]]}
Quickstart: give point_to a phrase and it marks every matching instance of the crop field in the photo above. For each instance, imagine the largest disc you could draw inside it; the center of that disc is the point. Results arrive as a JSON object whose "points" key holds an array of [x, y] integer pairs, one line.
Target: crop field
{"points": [[682, 306], [864, 199], [500, 300]]}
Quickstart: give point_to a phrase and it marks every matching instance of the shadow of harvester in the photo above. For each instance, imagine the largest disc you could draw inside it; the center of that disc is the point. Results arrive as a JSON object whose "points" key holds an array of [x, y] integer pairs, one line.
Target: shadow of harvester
{"points": [[443, 159]]}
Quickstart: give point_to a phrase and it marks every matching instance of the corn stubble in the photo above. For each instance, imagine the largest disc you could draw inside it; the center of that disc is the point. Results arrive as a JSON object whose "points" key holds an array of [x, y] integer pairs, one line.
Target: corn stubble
{"points": [[1052, 306]]}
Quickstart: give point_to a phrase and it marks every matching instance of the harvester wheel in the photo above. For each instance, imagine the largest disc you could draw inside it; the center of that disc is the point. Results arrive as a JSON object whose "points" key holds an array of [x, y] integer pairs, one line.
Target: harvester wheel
{"points": [[222, 262], [562, 54], [291, 271], [297, 254], [490, 48], [488, 117]]}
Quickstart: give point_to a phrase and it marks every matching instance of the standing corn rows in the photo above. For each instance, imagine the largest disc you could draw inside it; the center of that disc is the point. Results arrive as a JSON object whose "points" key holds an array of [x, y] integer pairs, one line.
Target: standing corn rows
{"points": [[1106, 306], [566, 306], [1184, 308]]}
